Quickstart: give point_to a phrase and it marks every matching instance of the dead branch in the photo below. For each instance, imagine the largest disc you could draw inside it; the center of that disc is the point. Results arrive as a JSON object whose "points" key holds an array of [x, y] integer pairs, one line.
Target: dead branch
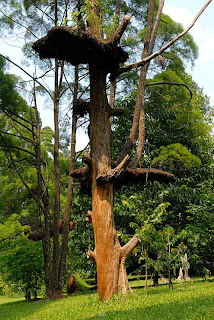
{"points": [[156, 25], [129, 246], [115, 38], [139, 114], [114, 173]]}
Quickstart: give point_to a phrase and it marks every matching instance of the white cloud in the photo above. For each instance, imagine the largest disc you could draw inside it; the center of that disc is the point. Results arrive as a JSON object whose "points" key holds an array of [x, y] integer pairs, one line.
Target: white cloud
{"points": [[184, 16], [203, 38], [206, 46]]}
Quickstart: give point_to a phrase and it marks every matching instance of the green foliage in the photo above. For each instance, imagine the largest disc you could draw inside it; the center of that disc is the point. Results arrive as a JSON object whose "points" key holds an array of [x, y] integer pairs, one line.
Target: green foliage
{"points": [[11, 227], [21, 262], [185, 48], [175, 157]]}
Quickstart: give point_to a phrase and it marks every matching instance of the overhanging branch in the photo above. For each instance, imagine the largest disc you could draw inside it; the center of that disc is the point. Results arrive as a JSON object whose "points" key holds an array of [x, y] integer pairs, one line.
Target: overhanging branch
{"points": [[172, 84], [142, 62]]}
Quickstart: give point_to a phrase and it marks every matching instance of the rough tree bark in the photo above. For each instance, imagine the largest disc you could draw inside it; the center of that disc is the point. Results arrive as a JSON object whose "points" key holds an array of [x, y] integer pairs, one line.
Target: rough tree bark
{"points": [[109, 255]]}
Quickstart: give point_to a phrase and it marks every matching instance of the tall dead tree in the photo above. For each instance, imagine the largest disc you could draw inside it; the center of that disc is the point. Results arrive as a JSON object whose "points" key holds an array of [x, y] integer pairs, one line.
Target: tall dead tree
{"points": [[104, 55]]}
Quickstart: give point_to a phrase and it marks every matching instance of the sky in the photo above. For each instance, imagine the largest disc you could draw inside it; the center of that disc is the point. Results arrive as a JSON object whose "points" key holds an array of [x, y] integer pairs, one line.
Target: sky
{"points": [[182, 11]]}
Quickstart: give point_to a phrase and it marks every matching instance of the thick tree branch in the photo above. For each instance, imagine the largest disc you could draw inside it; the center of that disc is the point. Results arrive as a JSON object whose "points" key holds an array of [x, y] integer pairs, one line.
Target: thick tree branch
{"points": [[129, 246], [115, 38], [139, 175], [115, 112], [114, 173]]}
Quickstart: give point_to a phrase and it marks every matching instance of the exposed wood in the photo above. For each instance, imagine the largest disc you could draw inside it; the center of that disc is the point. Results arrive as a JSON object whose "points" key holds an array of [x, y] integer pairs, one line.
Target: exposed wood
{"points": [[129, 246], [115, 38], [91, 256], [104, 57], [89, 217]]}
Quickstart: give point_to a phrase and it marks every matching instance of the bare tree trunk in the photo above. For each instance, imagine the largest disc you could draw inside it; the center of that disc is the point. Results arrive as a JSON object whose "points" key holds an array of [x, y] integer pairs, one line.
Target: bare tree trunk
{"points": [[113, 84], [62, 264], [108, 254], [44, 198], [57, 182], [146, 275], [56, 171]]}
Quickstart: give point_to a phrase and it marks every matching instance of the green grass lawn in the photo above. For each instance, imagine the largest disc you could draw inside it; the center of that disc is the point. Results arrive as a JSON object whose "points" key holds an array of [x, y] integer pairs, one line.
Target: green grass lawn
{"points": [[190, 300]]}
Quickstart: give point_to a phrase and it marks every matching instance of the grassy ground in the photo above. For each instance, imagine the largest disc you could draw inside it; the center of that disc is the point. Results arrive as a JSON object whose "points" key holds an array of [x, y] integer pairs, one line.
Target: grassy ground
{"points": [[190, 300]]}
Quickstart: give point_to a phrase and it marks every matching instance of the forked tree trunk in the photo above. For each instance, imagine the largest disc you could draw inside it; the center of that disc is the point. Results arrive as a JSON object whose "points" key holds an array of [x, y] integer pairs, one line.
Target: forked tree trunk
{"points": [[108, 254]]}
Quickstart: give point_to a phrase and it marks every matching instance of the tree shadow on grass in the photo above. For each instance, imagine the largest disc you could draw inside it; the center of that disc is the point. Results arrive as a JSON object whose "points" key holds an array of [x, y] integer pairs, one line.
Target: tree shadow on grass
{"points": [[21, 309], [189, 309]]}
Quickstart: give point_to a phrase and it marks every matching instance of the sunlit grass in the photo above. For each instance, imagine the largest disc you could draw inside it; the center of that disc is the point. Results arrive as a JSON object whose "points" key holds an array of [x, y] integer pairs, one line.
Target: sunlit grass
{"points": [[190, 300]]}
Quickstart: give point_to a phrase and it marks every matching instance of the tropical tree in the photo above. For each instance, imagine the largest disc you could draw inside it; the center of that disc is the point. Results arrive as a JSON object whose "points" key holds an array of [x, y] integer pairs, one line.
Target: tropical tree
{"points": [[96, 47], [104, 56]]}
